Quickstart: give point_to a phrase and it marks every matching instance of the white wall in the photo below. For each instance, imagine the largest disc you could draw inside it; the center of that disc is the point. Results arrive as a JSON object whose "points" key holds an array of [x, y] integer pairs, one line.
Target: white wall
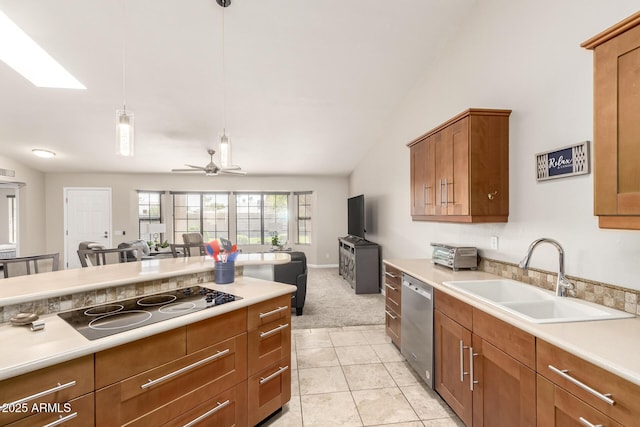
{"points": [[524, 56], [4, 213], [329, 213]]}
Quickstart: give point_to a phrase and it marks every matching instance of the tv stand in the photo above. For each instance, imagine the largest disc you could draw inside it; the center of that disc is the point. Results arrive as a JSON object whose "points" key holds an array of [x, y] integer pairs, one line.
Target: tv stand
{"points": [[359, 264]]}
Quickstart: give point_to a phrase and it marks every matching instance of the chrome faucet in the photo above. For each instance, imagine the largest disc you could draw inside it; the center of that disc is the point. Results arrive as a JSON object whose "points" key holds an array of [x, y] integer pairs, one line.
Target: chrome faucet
{"points": [[562, 283]]}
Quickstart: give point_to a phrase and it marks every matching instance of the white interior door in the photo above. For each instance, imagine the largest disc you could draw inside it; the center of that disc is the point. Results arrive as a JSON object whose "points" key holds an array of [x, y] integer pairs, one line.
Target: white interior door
{"points": [[87, 215]]}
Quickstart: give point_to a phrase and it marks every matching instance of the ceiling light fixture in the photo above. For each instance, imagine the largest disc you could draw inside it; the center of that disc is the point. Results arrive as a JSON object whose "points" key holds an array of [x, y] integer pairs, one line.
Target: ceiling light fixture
{"points": [[26, 57], [124, 118], [45, 154]]}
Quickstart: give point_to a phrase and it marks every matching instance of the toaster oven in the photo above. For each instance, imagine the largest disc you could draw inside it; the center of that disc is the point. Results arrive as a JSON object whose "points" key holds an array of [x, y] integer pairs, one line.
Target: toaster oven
{"points": [[455, 257]]}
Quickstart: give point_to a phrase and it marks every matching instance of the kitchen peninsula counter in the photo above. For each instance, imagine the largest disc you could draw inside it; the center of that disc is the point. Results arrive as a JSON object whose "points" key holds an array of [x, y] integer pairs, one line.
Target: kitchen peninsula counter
{"points": [[22, 289], [610, 344]]}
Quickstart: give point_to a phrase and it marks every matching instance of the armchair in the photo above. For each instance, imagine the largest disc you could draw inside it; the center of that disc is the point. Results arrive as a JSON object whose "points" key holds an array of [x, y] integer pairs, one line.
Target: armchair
{"points": [[294, 273]]}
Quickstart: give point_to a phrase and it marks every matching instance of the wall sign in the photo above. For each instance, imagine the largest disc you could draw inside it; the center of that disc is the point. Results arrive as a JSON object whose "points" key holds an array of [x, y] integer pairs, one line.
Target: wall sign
{"points": [[567, 161]]}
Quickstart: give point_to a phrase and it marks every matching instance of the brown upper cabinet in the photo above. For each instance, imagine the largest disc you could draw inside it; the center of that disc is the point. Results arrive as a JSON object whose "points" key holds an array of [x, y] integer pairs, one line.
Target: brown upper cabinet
{"points": [[616, 125], [460, 169]]}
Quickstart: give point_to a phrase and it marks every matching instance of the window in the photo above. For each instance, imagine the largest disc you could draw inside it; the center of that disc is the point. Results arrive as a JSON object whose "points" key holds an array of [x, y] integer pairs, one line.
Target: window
{"points": [[11, 202], [260, 216], [204, 213], [149, 211], [303, 218]]}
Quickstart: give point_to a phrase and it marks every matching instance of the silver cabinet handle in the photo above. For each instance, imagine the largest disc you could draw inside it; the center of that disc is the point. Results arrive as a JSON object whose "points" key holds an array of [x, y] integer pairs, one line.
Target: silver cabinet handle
{"points": [[273, 331], [61, 420], [446, 192], [462, 372], [151, 383], [605, 397], [390, 287], [42, 393], [424, 194], [471, 380], [390, 274], [586, 422], [277, 310], [390, 315], [208, 413], [440, 186], [272, 376]]}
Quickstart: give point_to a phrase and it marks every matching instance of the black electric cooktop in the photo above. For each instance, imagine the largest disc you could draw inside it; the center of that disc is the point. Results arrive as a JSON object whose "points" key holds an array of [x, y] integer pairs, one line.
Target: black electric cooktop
{"points": [[111, 318]]}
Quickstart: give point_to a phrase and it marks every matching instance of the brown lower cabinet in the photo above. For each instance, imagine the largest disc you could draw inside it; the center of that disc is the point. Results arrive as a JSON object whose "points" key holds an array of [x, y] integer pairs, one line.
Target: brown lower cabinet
{"points": [[484, 367], [393, 303], [229, 370]]}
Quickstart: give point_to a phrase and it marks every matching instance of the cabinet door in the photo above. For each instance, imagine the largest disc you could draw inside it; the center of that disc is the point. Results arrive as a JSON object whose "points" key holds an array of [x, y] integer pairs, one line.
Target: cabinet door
{"points": [[504, 390], [458, 186], [452, 343], [616, 147], [423, 188], [556, 407], [443, 157]]}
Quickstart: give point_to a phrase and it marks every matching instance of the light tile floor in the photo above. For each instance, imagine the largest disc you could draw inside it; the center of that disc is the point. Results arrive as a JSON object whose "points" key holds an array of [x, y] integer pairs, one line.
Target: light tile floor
{"points": [[355, 376]]}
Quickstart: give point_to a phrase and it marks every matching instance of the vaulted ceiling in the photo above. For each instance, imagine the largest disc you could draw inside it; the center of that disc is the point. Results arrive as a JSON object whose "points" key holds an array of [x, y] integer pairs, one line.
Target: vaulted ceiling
{"points": [[310, 84]]}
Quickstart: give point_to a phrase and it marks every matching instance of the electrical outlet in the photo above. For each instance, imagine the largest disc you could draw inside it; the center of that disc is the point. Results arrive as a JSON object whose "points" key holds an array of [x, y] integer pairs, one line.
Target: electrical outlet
{"points": [[494, 243]]}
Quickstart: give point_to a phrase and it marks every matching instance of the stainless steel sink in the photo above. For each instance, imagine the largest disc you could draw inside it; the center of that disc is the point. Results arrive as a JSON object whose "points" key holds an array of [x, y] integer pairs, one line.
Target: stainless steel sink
{"points": [[534, 304]]}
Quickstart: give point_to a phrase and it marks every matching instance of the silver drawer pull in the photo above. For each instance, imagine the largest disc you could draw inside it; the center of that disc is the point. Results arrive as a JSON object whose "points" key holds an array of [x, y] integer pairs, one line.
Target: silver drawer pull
{"points": [[61, 420], [586, 422], [274, 330], [390, 287], [605, 397], [151, 383], [472, 382], [390, 315], [277, 310], [272, 376], [390, 274], [208, 413], [42, 393]]}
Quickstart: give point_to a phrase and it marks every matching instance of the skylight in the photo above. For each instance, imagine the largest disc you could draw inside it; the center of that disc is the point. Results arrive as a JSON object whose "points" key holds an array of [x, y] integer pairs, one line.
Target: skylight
{"points": [[24, 55]]}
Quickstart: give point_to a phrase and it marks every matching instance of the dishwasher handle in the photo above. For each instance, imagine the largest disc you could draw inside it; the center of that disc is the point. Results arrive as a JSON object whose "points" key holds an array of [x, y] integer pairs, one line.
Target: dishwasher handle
{"points": [[426, 293]]}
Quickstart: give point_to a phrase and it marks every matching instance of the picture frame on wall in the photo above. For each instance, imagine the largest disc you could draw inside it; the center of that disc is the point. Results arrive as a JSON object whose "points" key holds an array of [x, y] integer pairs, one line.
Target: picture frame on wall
{"points": [[567, 161]]}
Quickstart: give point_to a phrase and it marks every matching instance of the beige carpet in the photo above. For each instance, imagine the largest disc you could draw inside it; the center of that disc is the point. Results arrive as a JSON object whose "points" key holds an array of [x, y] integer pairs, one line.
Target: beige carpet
{"points": [[332, 303]]}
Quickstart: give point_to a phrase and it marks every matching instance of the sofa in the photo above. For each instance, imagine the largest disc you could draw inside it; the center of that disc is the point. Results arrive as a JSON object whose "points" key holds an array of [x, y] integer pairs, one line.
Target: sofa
{"points": [[294, 273]]}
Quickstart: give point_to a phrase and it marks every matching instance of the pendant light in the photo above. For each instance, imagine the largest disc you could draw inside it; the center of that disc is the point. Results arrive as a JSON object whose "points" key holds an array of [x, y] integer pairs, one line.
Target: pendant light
{"points": [[225, 144], [124, 118]]}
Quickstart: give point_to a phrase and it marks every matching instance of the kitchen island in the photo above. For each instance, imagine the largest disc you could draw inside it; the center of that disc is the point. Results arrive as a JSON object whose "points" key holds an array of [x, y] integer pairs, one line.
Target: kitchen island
{"points": [[228, 362]]}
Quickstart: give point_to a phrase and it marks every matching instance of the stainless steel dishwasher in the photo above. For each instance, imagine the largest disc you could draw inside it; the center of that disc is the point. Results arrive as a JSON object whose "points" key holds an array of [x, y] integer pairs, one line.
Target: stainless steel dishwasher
{"points": [[417, 326]]}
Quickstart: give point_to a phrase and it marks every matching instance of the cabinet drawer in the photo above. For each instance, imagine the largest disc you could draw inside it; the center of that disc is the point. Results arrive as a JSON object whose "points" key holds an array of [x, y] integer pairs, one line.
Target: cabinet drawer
{"points": [[269, 344], [513, 341], [185, 383], [556, 407], [227, 409], [65, 381], [269, 311], [392, 275], [392, 325], [78, 412], [454, 308], [121, 362], [269, 390], [578, 373], [210, 331]]}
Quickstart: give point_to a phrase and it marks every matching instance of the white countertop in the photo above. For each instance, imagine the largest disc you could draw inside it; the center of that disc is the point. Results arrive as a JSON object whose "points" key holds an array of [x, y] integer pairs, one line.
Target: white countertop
{"points": [[26, 351], [611, 344], [22, 289]]}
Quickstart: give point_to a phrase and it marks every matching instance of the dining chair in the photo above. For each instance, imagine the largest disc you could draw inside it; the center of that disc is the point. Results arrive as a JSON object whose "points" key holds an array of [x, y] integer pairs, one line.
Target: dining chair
{"points": [[187, 249], [21, 266], [94, 257]]}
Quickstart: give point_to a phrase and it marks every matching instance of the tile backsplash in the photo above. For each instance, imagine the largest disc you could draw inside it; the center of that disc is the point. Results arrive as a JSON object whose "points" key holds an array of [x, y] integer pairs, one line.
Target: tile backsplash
{"points": [[600, 293], [99, 296]]}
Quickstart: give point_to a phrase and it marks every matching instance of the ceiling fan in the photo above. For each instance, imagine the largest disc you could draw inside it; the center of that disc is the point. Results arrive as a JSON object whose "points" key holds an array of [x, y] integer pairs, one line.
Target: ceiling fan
{"points": [[212, 169]]}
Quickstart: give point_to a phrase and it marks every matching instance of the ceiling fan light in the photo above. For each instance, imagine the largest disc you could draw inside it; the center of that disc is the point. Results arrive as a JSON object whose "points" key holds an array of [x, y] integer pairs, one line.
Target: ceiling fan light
{"points": [[124, 133]]}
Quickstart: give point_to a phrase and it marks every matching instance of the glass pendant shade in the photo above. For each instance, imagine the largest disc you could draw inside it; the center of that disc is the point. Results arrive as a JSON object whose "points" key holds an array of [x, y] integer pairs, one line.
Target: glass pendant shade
{"points": [[225, 150], [124, 133]]}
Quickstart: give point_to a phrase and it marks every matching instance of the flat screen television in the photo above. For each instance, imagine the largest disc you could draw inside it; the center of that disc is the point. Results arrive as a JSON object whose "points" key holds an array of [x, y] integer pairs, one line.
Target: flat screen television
{"points": [[355, 209]]}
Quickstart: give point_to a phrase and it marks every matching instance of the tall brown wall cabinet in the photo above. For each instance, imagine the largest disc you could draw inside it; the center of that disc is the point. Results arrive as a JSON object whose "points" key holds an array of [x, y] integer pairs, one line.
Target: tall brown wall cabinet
{"points": [[616, 125]]}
